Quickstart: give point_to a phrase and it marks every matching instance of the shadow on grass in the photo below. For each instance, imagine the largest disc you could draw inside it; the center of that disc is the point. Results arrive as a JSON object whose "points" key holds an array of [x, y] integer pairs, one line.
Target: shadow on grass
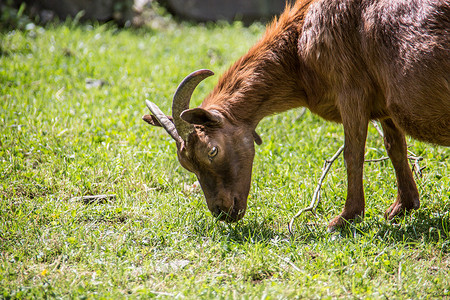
{"points": [[255, 231], [248, 231], [420, 227]]}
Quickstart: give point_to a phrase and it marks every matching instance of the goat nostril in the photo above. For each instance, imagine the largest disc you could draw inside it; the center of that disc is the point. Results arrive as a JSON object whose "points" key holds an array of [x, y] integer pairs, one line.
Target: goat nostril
{"points": [[220, 212], [225, 212], [217, 211]]}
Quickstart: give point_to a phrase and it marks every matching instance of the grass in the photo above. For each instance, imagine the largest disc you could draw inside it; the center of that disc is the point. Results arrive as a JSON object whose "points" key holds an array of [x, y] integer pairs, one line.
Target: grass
{"points": [[60, 139]]}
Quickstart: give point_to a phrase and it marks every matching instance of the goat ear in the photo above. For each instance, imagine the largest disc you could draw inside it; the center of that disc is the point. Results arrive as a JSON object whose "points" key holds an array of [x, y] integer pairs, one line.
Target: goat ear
{"points": [[152, 120], [200, 116], [257, 138]]}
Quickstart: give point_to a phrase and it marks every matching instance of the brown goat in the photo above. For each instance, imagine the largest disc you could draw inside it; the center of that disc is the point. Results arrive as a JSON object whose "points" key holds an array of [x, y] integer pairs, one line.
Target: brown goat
{"points": [[348, 61]]}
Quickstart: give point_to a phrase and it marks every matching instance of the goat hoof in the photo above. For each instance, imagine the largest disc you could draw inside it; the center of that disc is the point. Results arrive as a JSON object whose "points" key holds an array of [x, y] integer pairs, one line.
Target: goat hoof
{"points": [[343, 220], [398, 208]]}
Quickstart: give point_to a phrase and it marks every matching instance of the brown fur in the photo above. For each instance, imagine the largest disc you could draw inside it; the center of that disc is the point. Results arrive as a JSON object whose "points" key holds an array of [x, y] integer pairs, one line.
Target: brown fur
{"points": [[348, 61]]}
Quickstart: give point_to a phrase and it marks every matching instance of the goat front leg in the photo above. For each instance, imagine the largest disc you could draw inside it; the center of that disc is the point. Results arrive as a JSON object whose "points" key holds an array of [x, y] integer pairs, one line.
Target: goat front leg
{"points": [[355, 130], [407, 194]]}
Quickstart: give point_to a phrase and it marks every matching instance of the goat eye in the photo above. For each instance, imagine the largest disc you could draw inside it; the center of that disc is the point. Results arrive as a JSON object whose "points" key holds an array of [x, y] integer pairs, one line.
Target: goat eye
{"points": [[213, 152]]}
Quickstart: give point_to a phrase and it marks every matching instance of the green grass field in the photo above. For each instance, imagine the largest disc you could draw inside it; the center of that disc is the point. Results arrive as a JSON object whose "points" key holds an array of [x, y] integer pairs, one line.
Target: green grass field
{"points": [[61, 138]]}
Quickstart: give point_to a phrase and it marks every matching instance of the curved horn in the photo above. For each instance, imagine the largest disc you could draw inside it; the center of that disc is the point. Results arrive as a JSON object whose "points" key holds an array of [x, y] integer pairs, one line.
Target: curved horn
{"points": [[164, 121], [182, 98]]}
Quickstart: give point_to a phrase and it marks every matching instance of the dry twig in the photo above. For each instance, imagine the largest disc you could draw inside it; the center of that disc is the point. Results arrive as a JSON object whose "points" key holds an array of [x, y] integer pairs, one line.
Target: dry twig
{"points": [[377, 127], [327, 165], [93, 199], [377, 159], [316, 196], [415, 168]]}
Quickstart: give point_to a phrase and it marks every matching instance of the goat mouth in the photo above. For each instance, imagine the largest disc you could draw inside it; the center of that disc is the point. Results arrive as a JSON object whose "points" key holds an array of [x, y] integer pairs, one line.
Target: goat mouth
{"points": [[230, 216]]}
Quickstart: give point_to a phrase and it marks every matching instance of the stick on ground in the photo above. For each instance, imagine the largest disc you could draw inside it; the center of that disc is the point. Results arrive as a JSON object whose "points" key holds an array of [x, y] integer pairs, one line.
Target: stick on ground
{"points": [[327, 165], [93, 199], [316, 196]]}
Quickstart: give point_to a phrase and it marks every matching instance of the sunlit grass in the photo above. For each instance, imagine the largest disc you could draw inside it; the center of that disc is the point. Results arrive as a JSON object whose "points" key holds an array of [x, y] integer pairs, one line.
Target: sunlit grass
{"points": [[61, 139]]}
